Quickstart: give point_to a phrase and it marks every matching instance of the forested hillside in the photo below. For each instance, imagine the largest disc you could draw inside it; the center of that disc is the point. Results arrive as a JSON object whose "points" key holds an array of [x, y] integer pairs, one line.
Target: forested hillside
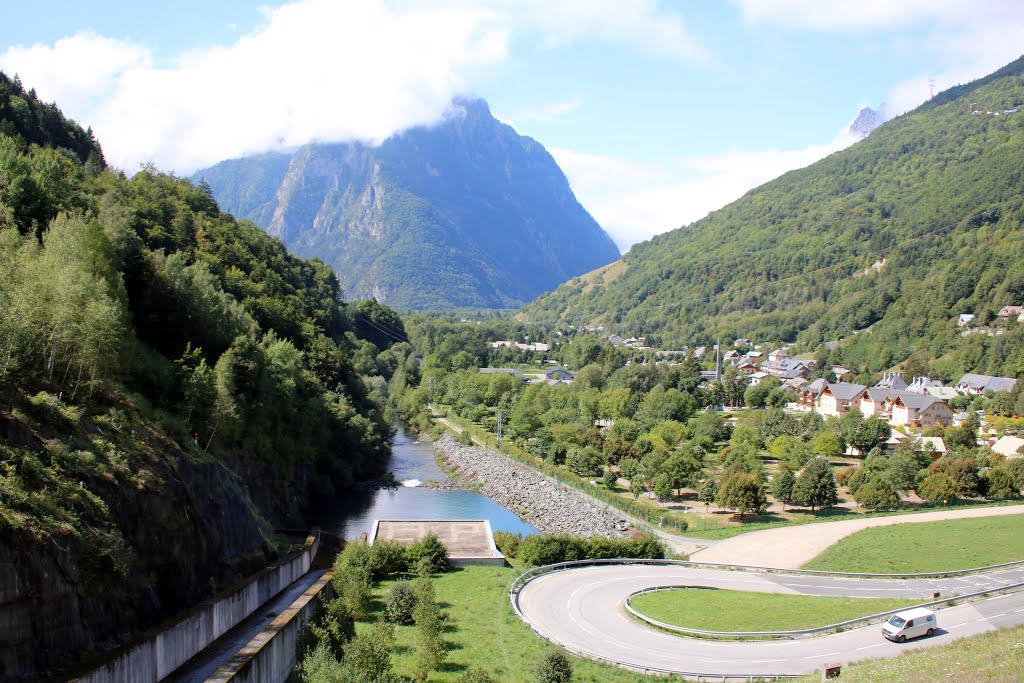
{"points": [[889, 240], [173, 384], [466, 213]]}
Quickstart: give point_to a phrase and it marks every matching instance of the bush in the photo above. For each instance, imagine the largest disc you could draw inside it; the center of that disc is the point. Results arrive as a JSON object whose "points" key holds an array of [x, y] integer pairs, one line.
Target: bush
{"points": [[464, 438], [541, 550], [430, 548], [400, 603], [387, 558], [879, 493], [353, 581], [843, 475], [476, 676], [553, 667], [507, 542]]}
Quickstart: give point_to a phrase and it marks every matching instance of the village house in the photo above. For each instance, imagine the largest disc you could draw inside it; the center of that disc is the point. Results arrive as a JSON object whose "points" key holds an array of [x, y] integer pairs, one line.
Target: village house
{"points": [[1009, 312], [758, 377], [786, 368], [875, 402], [975, 385], [554, 375], [839, 398], [965, 319], [746, 366], [919, 410], [777, 355], [807, 396]]}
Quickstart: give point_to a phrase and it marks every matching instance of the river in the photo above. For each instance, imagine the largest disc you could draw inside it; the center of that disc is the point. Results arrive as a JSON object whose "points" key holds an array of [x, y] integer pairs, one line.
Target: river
{"points": [[412, 462]]}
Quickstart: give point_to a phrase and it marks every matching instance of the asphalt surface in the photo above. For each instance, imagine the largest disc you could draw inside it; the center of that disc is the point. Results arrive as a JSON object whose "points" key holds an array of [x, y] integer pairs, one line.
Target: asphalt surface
{"points": [[583, 610]]}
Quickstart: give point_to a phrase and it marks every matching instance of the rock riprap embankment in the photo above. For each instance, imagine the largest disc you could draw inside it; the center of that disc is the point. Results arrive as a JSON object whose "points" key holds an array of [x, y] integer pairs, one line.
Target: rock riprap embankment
{"points": [[552, 508]]}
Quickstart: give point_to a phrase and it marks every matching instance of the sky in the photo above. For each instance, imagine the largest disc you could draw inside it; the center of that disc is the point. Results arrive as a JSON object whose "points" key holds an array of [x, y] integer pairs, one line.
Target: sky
{"points": [[657, 111]]}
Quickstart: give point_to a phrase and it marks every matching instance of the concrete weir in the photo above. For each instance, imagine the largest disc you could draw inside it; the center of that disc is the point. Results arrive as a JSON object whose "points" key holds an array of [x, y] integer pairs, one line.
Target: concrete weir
{"points": [[469, 542]]}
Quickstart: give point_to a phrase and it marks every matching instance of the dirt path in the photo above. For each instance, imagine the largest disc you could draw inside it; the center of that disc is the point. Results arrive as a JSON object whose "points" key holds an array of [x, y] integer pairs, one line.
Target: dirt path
{"points": [[792, 547]]}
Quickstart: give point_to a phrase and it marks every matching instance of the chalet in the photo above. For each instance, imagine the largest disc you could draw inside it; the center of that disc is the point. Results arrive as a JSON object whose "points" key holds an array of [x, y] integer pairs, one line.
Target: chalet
{"points": [[777, 355], [875, 402], [978, 384], [786, 368], [1009, 312], [893, 381], [755, 356], [807, 395], [839, 398], [758, 377], [935, 444], [932, 387], [965, 319], [743, 342], [731, 356], [746, 366], [919, 410], [840, 372]]}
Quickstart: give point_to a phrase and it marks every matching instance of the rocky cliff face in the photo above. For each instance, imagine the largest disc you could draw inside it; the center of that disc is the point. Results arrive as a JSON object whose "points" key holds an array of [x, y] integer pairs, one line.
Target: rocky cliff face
{"points": [[187, 527], [463, 213], [867, 120]]}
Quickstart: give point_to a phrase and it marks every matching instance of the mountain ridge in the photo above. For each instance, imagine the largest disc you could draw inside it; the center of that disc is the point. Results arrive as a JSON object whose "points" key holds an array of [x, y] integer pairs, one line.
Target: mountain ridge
{"points": [[934, 195], [463, 213]]}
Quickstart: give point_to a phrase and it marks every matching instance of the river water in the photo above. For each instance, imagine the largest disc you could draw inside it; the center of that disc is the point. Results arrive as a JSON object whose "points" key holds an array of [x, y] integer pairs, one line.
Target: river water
{"points": [[413, 462]]}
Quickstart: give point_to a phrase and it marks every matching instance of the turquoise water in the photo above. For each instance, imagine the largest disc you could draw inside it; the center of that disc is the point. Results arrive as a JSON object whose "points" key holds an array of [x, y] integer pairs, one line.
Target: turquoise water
{"points": [[350, 517]]}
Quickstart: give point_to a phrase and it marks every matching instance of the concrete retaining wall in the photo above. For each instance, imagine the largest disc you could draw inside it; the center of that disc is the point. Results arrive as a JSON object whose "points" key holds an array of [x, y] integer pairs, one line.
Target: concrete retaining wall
{"points": [[272, 655], [155, 656]]}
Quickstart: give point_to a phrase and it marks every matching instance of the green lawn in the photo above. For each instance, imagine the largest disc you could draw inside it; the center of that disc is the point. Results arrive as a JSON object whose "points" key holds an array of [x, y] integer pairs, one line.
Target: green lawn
{"points": [[927, 546], [725, 610], [996, 657], [482, 631]]}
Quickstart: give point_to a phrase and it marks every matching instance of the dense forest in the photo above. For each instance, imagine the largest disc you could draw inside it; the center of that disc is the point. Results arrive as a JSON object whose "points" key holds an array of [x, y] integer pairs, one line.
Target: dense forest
{"points": [[881, 245], [173, 384]]}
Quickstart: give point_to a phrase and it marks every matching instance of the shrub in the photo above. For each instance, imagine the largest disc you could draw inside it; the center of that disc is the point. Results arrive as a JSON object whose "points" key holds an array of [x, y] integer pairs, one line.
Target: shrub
{"points": [[553, 667], [879, 493], [843, 475], [476, 676], [387, 558], [352, 579], [541, 550], [434, 552], [464, 438], [400, 603], [507, 542]]}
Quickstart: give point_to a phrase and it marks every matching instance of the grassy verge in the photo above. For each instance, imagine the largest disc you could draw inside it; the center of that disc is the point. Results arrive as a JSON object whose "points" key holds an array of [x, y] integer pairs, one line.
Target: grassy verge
{"points": [[926, 547], [996, 657], [726, 610], [482, 631]]}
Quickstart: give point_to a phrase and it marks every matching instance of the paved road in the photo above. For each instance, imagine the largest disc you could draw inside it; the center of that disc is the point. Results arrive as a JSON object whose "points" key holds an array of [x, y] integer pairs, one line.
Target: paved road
{"points": [[792, 547], [206, 663], [583, 609]]}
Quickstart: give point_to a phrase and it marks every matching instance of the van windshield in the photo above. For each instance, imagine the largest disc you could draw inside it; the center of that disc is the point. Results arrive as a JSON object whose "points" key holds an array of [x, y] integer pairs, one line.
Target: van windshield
{"points": [[897, 621]]}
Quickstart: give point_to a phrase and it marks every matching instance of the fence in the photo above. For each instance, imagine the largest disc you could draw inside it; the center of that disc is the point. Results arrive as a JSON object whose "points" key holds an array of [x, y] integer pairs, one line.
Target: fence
{"points": [[155, 656]]}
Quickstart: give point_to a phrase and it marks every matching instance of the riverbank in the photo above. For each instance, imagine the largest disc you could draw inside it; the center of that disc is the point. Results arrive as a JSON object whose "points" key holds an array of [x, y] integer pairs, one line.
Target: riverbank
{"points": [[550, 507]]}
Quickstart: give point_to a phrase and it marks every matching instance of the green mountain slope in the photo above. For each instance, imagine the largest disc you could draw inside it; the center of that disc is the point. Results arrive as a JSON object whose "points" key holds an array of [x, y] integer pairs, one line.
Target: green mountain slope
{"points": [[173, 385], [466, 213], [899, 233]]}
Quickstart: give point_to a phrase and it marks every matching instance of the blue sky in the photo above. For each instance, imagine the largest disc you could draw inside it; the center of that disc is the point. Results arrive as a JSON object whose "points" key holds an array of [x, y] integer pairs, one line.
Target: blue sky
{"points": [[657, 111]]}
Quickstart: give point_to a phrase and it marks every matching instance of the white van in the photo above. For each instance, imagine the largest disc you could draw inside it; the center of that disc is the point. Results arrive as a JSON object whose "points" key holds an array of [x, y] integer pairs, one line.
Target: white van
{"points": [[912, 623]]}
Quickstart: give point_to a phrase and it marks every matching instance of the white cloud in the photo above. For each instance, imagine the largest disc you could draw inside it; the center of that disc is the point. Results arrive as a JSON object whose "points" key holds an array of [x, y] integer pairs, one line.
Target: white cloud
{"points": [[879, 14], [635, 201], [76, 71], [315, 70]]}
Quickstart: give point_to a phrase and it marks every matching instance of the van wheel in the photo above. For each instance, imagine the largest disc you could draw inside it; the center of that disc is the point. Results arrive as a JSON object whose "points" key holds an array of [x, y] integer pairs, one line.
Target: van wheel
{"points": [[901, 638], [930, 632]]}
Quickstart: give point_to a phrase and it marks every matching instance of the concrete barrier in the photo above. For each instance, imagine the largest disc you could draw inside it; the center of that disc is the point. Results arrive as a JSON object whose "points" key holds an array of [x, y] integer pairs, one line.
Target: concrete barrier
{"points": [[155, 655], [272, 655]]}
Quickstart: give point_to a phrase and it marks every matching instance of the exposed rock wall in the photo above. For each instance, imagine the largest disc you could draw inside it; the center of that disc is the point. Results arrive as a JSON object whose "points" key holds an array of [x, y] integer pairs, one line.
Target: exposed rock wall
{"points": [[552, 508]]}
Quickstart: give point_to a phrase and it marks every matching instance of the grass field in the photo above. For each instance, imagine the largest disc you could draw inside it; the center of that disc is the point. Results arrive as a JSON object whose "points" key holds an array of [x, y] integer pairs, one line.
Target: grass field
{"points": [[927, 547], [482, 631], [725, 610], [996, 657]]}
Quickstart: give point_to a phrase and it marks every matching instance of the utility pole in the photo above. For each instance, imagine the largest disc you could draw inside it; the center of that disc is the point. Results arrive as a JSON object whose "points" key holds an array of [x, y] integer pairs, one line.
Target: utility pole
{"points": [[501, 414]]}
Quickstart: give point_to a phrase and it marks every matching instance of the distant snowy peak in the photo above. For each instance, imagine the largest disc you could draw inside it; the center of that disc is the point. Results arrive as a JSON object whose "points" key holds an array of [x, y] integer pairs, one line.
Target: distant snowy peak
{"points": [[867, 120]]}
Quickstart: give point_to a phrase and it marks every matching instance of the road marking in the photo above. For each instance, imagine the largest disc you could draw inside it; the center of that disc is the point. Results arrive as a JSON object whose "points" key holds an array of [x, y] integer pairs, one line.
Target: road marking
{"points": [[868, 647]]}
